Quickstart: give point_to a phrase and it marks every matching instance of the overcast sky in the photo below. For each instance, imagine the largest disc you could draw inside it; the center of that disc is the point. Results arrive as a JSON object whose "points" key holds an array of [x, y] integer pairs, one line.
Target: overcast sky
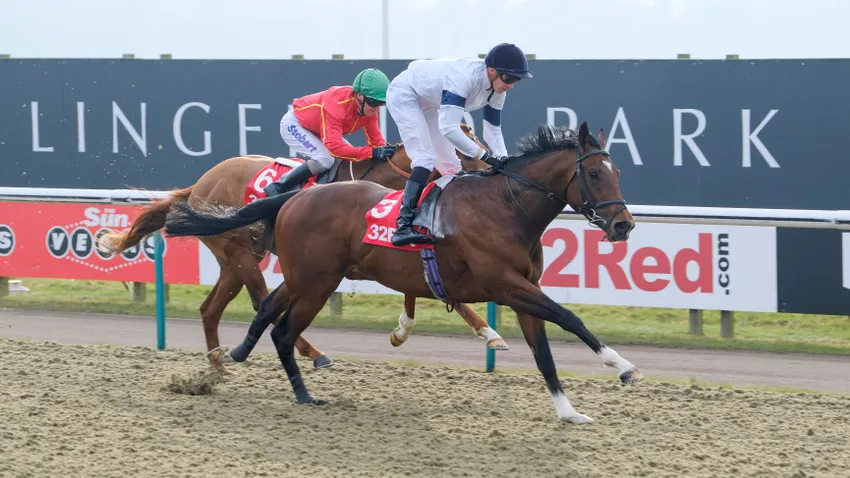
{"points": [[553, 29]]}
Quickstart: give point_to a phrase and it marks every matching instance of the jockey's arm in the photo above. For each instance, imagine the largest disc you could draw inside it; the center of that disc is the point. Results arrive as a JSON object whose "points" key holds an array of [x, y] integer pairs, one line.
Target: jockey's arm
{"points": [[450, 117], [493, 126], [332, 138], [456, 88]]}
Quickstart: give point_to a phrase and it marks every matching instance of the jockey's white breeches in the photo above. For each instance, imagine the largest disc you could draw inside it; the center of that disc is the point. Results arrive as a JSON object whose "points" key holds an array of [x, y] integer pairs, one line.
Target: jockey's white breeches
{"points": [[305, 143], [420, 130]]}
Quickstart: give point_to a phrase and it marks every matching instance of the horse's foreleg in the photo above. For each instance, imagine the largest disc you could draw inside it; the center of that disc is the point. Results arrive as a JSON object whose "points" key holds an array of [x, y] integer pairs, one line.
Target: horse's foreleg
{"points": [[534, 331], [527, 299], [406, 322], [480, 327]]}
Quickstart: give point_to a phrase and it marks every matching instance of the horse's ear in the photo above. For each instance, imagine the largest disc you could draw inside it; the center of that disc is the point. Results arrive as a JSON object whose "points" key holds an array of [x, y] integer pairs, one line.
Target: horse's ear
{"points": [[583, 133], [600, 136]]}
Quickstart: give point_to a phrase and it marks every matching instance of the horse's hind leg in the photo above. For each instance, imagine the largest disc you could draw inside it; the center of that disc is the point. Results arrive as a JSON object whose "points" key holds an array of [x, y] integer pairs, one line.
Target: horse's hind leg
{"points": [[277, 301], [226, 288], [301, 312], [406, 324], [249, 269], [480, 327]]}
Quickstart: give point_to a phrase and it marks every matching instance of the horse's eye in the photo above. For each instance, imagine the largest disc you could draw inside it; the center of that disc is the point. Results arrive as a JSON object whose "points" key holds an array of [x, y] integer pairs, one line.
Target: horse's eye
{"points": [[594, 174]]}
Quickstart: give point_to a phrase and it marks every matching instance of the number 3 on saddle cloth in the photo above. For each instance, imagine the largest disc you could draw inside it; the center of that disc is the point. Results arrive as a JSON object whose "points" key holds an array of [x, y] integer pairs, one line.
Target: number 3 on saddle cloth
{"points": [[381, 224]]}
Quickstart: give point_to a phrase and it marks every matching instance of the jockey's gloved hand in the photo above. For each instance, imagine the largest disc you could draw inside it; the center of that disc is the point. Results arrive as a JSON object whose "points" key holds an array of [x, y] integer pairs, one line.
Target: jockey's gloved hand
{"points": [[488, 158], [383, 152]]}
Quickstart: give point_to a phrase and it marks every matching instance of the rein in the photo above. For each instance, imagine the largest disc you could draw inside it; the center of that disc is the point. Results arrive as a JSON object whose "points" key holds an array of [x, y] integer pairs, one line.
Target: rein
{"points": [[372, 163]]}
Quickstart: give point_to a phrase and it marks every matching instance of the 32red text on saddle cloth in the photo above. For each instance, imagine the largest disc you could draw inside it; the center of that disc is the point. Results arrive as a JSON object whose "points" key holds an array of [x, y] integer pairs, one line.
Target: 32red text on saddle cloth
{"points": [[381, 221]]}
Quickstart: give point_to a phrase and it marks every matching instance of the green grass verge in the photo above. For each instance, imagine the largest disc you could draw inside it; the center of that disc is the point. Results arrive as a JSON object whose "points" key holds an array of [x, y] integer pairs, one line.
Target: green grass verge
{"points": [[615, 325]]}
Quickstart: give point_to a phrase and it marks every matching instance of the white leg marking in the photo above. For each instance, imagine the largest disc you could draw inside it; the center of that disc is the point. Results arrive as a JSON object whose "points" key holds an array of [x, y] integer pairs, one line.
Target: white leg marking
{"points": [[566, 412], [611, 358], [220, 354], [487, 333], [405, 327]]}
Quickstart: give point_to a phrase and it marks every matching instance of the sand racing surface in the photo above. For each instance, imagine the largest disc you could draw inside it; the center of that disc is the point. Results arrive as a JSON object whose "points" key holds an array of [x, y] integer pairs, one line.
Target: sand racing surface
{"points": [[106, 410]]}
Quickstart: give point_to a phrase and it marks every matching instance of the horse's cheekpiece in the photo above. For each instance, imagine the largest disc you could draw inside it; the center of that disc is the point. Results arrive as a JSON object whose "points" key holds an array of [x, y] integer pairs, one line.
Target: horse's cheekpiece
{"points": [[381, 222]]}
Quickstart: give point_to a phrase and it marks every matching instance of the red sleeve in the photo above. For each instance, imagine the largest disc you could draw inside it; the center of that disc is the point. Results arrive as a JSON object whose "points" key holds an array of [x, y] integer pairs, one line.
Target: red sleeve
{"points": [[332, 135], [373, 132]]}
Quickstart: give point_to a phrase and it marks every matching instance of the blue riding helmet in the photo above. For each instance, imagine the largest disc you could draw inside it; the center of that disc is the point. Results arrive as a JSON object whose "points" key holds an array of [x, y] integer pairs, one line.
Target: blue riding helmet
{"points": [[508, 59]]}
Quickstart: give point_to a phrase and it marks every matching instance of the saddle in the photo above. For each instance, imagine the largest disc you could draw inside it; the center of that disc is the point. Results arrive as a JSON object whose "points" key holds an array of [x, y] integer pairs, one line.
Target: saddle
{"points": [[329, 175]]}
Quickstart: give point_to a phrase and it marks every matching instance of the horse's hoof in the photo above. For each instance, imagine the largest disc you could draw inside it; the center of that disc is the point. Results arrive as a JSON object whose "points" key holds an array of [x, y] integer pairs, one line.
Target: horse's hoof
{"points": [[220, 354], [322, 361], [395, 341], [630, 377], [312, 401], [239, 353], [498, 344], [578, 419], [222, 370]]}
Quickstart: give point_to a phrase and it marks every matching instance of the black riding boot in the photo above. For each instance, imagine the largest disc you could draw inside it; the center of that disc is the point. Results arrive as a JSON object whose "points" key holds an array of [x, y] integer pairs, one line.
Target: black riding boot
{"points": [[298, 174], [404, 234]]}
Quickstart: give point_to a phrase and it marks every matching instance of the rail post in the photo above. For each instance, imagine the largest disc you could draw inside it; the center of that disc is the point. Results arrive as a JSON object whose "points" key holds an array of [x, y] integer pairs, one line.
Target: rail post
{"points": [[492, 312], [159, 249]]}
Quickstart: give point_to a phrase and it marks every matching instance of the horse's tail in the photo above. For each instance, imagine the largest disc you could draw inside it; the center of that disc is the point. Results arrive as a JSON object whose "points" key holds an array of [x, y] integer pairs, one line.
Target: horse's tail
{"points": [[151, 219], [211, 220]]}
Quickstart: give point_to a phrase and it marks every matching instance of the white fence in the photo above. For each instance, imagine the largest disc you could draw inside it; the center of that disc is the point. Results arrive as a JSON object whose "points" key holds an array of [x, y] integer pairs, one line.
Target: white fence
{"points": [[674, 215]]}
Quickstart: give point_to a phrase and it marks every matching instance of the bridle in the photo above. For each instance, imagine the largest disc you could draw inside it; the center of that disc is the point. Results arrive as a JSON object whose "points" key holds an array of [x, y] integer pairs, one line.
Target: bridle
{"points": [[589, 205]]}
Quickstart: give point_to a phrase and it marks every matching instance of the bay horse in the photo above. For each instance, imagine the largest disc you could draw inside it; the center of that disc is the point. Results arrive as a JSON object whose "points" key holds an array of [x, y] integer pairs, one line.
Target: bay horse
{"points": [[240, 253], [487, 229]]}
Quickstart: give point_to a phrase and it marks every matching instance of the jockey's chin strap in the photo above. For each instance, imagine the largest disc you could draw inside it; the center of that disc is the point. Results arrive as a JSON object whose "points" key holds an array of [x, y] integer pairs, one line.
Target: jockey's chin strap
{"points": [[360, 105]]}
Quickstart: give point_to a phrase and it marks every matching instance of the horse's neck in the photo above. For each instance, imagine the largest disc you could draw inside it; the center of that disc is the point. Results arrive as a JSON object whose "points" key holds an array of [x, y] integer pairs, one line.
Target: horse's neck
{"points": [[536, 203]]}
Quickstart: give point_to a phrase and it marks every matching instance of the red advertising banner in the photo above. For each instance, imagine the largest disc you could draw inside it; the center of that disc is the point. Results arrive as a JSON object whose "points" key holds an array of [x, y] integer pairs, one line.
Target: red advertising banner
{"points": [[55, 240]]}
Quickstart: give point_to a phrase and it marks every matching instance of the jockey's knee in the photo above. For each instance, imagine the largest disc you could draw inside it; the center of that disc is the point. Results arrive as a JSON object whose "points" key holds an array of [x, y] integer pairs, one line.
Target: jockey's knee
{"points": [[320, 163], [426, 162]]}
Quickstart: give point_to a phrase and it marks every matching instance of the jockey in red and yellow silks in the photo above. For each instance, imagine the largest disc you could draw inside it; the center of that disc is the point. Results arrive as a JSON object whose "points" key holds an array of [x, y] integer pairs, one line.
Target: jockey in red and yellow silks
{"points": [[317, 123]]}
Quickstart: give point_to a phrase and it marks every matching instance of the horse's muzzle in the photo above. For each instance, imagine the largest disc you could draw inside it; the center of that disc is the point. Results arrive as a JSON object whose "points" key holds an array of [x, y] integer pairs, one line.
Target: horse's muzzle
{"points": [[620, 229]]}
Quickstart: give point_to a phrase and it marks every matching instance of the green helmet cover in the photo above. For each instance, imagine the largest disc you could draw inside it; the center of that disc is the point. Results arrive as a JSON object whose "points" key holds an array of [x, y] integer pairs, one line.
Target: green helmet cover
{"points": [[372, 83]]}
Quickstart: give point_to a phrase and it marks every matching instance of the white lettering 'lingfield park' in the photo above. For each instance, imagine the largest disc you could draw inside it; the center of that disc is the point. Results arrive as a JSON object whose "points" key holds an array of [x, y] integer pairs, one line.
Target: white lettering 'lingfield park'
{"points": [[619, 133]]}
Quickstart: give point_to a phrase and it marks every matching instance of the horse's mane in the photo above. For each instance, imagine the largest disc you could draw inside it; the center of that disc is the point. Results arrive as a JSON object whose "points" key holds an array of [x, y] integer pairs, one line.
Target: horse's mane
{"points": [[546, 140]]}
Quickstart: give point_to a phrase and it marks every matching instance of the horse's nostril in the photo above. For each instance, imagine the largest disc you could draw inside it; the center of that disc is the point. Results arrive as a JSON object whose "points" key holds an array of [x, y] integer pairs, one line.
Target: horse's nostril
{"points": [[622, 226]]}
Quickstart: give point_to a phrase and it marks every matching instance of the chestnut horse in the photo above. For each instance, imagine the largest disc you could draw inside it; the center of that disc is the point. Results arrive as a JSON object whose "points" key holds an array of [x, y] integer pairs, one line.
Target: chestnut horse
{"points": [[488, 228], [240, 253]]}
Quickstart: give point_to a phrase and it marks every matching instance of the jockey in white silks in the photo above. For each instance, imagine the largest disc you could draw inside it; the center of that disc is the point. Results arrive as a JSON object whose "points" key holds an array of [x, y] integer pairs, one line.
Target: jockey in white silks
{"points": [[427, 102]]}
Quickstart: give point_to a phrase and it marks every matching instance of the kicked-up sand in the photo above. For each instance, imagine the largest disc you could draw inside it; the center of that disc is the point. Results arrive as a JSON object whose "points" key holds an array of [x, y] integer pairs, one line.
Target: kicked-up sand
{"points": [[110, 411]]}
